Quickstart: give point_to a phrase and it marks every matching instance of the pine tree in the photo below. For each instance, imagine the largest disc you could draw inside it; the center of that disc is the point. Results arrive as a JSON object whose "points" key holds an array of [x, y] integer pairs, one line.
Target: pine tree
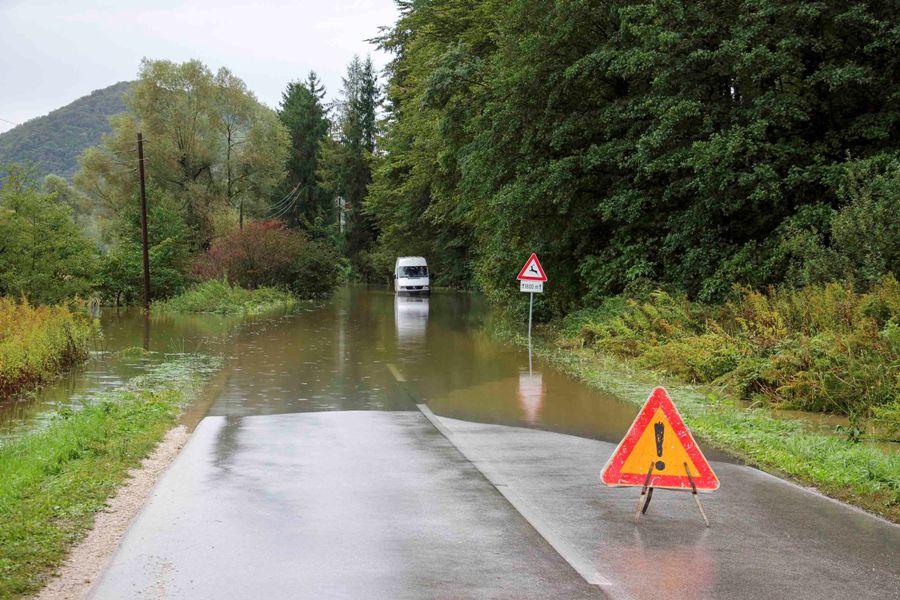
{"points": [[350, 153], [302, 200]]}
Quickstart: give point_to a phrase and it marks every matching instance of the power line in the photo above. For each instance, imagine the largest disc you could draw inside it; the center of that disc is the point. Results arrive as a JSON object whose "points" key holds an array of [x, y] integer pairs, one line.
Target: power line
{"points": [[286, 196], [10, 122], [287, 206]]}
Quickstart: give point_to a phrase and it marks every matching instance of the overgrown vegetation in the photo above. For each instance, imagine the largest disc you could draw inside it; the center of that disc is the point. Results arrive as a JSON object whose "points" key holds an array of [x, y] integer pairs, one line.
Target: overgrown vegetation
{"points": [[220, 297], [861, 474], [36, 342], [823, 347], [266, 253], [53, 481]]}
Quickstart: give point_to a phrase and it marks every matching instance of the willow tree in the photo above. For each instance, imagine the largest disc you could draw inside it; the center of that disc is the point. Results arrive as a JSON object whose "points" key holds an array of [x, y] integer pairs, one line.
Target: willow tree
{"points": [[209, 143]]}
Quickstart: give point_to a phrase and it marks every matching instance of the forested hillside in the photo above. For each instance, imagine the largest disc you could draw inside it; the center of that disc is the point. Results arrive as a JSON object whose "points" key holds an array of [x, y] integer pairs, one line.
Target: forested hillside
{"points": [[54, 141], [685, 145]]}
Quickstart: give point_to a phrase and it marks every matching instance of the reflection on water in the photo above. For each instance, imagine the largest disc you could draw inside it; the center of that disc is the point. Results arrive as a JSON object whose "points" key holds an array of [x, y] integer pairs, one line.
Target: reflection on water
{"points": [[531, 395], [369, 350], [130, 344], [410, 320]]}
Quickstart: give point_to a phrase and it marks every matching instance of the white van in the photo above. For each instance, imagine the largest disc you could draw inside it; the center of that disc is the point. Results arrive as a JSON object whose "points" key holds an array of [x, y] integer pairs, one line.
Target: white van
{"points": [[411, 276]]}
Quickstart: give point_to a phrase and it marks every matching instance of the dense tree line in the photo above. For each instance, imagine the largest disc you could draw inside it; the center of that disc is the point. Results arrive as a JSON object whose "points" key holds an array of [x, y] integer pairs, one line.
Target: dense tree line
{"points": [[690, 145], [214, 158]]}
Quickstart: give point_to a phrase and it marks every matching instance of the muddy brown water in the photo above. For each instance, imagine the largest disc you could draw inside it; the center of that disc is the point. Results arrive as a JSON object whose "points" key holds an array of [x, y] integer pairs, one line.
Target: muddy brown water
{"points": [[363, 349], [371, 350]]}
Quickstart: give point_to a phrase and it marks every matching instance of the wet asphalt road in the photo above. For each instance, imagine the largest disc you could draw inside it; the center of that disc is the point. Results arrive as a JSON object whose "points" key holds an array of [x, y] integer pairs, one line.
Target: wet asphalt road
{"points": [[316, 475], [331, 505]]}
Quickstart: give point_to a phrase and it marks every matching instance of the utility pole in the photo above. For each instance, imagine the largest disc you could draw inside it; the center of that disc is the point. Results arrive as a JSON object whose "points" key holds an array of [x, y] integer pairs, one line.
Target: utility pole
{"points": [[140, 146]]}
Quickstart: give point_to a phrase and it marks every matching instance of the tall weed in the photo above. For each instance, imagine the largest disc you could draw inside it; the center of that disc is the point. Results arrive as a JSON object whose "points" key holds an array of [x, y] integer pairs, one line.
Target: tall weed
{"points": [[36, 342], [823, 347]]}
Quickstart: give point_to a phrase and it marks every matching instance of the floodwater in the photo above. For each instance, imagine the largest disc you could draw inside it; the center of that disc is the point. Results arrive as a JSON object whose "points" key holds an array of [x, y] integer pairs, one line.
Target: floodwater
{"points": [[363, 349], [130, 345], [371, 350]]}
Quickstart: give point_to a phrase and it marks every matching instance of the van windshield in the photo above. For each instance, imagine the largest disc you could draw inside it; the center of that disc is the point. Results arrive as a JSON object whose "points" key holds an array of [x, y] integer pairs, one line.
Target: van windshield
{"points": [[417, 271]]}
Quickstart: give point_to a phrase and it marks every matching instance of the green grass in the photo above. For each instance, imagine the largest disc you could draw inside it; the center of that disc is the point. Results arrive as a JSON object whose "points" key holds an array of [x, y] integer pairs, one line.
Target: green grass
{"points": [[54, 480], [858, 473], [37, 342], [220, 297]]}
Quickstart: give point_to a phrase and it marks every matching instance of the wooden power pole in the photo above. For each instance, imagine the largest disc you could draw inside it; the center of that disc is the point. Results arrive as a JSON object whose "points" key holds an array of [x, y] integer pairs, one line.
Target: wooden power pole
{"points": [[146, 252]]}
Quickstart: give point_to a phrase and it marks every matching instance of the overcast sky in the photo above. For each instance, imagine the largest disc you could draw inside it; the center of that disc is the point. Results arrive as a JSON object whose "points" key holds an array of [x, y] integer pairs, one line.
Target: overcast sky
{"points": [[54, 51]]}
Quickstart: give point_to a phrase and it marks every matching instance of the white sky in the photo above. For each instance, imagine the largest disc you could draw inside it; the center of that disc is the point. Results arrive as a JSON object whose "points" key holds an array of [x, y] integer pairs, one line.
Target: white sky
{"points": [[54, 51]]}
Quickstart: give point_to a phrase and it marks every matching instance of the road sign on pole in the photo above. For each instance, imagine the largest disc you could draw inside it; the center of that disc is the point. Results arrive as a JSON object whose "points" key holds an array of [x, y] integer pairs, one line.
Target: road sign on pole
{"points": [[531, 278]]}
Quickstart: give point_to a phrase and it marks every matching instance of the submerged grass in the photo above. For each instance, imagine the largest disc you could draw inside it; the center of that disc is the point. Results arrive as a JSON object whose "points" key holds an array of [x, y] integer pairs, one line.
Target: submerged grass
{"points": [[220, 297], [53, 481], [37, 342]]}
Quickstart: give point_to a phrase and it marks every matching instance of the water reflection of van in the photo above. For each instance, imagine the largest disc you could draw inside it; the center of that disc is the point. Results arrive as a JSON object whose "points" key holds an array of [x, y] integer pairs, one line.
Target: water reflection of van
{"points": [[411, 276], [411, 319]]}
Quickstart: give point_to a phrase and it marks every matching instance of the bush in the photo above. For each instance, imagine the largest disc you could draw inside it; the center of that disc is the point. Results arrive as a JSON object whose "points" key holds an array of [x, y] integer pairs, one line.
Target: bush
{"points": [[860, 241], [824, 347], [122, 269], [265, 253], [37, 342], [220, 297]]}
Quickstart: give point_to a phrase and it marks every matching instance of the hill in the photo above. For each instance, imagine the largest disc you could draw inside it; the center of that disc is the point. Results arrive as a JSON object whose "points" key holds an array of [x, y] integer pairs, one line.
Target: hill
{"points": [[56, 140]]}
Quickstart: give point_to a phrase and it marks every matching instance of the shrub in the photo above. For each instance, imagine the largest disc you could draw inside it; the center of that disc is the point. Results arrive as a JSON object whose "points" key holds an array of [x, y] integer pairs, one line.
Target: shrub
{"points": [[36, 342], [265, 253], [824, 347], [220, 297]]}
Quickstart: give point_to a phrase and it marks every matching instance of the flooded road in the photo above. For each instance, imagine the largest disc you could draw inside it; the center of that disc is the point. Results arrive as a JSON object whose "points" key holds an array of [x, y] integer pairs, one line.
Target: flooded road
{"points": [[352, 353], [381, 447]]}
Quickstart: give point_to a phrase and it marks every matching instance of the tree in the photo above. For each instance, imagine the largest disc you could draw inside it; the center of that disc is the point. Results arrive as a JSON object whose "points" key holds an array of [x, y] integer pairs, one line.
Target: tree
{"points": [[301, 199], [169, 245], [43, 254], [349, 153], [209, 143], [80, 207], [628, 142]]}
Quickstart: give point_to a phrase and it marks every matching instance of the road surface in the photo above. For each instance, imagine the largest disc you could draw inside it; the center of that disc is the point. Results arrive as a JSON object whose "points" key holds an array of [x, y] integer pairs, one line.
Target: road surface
{"points": [[355, 453]]}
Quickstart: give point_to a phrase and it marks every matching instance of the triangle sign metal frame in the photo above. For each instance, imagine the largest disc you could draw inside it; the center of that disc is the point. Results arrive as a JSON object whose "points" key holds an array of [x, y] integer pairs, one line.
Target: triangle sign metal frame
{"points": [[533, 259], [612, 473]]}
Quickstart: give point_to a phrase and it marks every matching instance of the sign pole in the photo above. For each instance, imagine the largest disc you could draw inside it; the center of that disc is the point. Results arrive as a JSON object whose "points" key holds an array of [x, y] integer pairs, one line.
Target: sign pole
{"points": [[530, 309]]}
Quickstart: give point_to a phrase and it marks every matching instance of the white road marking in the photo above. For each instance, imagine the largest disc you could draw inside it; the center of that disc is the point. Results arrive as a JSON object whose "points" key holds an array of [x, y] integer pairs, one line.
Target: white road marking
{"points": [[396, 373], [582, 565]]}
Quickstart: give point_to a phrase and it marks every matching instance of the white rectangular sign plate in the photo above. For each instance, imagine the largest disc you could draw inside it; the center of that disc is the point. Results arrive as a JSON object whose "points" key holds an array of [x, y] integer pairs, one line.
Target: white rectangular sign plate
{"points": [[532, 286]]}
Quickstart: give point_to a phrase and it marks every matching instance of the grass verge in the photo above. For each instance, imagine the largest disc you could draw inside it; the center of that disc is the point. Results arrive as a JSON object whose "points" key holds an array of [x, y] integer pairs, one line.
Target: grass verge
{"points": [[53, 481], [857, 473], [220, 297], [37, 342]]}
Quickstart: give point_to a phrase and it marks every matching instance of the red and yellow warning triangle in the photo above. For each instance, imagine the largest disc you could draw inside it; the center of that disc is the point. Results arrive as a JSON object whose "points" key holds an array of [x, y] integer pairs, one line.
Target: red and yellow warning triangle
{"points": [[659, 438]]}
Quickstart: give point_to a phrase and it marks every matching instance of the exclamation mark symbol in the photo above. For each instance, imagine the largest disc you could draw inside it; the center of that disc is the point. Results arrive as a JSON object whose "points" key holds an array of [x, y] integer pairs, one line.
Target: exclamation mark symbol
{"points": [[659, 429]]}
